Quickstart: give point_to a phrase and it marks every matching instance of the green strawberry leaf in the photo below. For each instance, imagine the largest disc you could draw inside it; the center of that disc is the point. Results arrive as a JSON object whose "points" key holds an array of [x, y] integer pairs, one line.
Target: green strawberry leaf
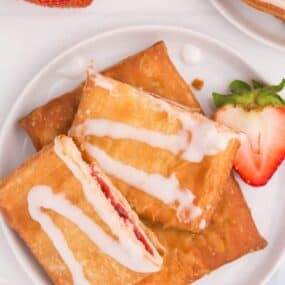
{"points": [[272, 100], [221, 100], [238, 86], [273, 88], [260, 95], [257, 84]]}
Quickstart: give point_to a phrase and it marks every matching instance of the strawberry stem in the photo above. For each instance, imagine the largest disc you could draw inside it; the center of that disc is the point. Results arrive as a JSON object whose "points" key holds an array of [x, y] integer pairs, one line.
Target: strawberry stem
{"points": [[258, 95]]}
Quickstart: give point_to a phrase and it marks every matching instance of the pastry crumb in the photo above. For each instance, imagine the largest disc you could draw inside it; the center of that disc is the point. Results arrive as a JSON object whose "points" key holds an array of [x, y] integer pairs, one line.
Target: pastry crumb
{"points": [[198, 83]]}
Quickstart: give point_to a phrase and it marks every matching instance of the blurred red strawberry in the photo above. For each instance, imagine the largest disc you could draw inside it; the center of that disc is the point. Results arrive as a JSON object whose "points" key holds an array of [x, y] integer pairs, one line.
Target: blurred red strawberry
{"points": [[62, 3]]}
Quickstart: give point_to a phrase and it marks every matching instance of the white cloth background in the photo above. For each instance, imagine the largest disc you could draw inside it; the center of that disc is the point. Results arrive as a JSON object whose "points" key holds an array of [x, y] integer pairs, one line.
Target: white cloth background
{"points": [[30, 37]]}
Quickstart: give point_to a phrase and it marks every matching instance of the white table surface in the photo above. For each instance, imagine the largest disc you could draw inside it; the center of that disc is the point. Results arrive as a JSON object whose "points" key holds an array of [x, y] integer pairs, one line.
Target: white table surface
{"points": [[30, 37]]}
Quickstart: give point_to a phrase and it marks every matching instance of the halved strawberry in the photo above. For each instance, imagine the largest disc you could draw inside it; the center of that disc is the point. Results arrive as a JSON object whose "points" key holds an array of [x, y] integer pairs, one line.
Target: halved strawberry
{"points": [[259, 113], [62, 3]]}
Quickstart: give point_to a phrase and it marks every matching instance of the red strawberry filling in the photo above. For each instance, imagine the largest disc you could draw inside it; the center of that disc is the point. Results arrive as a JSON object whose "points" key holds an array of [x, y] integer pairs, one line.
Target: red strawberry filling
{"points": [[120, 209]]}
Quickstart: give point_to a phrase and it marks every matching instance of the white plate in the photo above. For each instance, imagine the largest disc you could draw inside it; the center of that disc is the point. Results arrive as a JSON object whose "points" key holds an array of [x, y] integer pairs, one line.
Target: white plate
{"points": [[258, 25], [219, 65]]}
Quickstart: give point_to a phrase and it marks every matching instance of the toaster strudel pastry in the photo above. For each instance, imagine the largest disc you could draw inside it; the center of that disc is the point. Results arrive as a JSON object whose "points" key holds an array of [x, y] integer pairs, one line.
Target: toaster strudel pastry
{"points": [[170, 163], [76, 223]]}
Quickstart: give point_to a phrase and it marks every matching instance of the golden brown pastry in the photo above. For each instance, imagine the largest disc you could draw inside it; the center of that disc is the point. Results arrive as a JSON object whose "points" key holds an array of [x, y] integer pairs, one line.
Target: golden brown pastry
{"points": [[150, 69], [273, 7], [75, 222], [54, 118], [153, 70], [231, 235], [232, 232], [170, 163]]}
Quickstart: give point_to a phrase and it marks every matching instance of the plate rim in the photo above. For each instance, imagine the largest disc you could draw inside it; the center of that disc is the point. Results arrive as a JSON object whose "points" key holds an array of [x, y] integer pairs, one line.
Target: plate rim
{"points": [[218, 6], [9, 120]]}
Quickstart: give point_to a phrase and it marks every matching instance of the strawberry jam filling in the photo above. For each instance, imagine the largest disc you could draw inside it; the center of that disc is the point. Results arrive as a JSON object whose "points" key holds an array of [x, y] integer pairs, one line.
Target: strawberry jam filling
{"points": [[120, 209]]}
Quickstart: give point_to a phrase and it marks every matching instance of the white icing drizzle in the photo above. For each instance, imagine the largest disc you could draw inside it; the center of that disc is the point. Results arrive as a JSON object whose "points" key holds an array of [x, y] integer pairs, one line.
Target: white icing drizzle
{"points": [[190, 54], [202, 141], [207, 138], [128, 241], [166, 189], [42, 196], [127, 250], [278, 3], [101, 128]]}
